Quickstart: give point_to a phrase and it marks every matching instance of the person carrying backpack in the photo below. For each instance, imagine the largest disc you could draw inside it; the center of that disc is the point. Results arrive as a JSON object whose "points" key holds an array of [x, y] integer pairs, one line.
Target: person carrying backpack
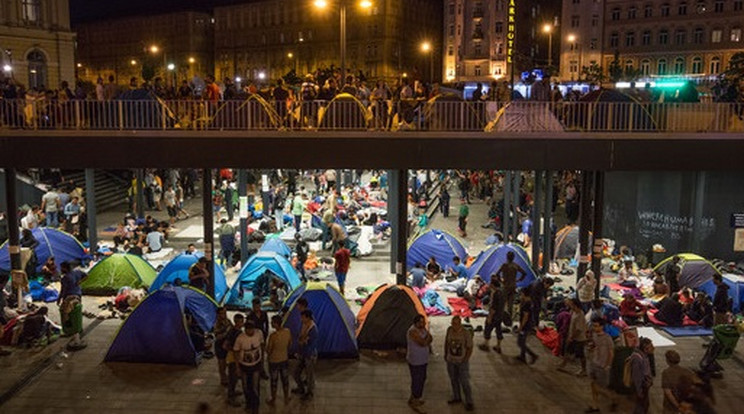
{"points": [[637, 374]]}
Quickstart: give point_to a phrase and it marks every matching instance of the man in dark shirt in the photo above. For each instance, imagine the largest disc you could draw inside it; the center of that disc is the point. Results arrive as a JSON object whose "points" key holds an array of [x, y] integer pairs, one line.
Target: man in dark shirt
{"points": [[720, 301], [259, 317], [671, 311], [525, 326], [508, 274], [199, 275], [301, 249], [672, 275], [495, 315]]}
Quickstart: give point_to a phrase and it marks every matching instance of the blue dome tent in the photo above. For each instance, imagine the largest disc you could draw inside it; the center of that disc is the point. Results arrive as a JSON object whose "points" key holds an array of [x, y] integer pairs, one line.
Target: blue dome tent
{"points": [[276, 245], [157, 331], [440, 244], [178, 269], [255, 276], [490, 260], [52, 242], [333, 317]]}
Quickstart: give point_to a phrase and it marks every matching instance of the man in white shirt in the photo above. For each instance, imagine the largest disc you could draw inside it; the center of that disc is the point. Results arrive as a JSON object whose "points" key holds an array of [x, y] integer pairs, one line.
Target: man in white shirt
{"points": [[154, 241], [249, 347]]}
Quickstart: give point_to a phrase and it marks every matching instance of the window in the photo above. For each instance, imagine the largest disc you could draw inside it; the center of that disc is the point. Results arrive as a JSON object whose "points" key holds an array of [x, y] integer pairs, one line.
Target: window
{"points": [[31, 11], [663, 36], [738, 5], [451, 30], [574, 66], [450, 51], [477, 49], [715, 66], [682, 9], [632, 11], [698, 35], [595, 20], [630, 39], [679, 36], [499, 48], [615, 13], [697, 65], [648, 11], [477, 70], [37, 69], [614, 39], [661, 67], [646, 38], [452, 8], [499, 27], [593, 43], [628, 66], [718, 6], [665, 10], [716, 35], [736, 35], [679, 66], [645, 67], [575, 21]]}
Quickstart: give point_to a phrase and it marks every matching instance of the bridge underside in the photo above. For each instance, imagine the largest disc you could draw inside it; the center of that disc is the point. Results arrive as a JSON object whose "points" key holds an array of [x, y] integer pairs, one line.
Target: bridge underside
{"points": [[251, 149]]}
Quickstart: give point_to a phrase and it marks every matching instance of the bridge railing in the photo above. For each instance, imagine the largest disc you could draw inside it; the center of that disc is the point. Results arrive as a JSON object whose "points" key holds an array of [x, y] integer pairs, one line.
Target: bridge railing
{"points": [[354, 115]]}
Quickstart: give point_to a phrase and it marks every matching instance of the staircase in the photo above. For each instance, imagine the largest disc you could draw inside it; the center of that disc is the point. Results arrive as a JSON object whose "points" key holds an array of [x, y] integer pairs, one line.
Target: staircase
{"points": [[111, 189]]}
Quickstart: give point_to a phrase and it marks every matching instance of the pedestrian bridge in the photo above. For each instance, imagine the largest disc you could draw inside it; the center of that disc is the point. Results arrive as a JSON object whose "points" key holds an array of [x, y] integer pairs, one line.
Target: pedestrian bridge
{"points": [[601, 136]]}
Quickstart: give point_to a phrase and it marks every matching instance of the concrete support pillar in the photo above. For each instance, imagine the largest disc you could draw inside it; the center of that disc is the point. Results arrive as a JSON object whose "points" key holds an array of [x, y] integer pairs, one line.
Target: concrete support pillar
{"points": [[585, 219], [506, 222], [548, 225], [398, 217], [90, 209], [208, 226], [515, 200], [14, 248], [597, 227], [140, 193], [536, 216], [243, 197]]}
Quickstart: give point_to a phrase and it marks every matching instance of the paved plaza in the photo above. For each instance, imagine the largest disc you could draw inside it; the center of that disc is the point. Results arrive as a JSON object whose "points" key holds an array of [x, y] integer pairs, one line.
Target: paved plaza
{"points": [[376, 383]]}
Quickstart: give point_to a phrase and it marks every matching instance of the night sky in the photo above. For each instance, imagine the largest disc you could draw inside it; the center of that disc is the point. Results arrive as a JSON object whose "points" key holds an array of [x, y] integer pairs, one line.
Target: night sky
{"points": [[92, 10]]}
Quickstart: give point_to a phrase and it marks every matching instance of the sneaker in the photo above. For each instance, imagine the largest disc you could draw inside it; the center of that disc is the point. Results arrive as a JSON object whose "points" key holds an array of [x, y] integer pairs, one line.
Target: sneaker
{"points": [[497, 349], [469, 407], [484, 347], [454, 401]]}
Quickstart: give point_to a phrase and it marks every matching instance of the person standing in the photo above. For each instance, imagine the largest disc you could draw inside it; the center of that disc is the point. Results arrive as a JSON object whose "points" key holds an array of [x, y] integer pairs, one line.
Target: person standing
{"points": [[640, 371], [71, 305], [495, 315], [301, 250], [672, 380], [233, 370], [221, 329], [418, 340], [525, 326], [277, 349], [50, 205], [279, 201], [585, 290], [576, 338], [307, 357], [458, 347], [462, 219], [600, 364], [444, 201], [226, 232], [341, 265], [720, 301], [508, 275], [298, 207], [671, 275], [249, 348]]}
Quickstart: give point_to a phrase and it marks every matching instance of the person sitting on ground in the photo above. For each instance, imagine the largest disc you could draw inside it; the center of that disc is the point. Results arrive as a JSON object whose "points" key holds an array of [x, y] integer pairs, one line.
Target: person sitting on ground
{"points": [[671, 311], [660, 287], [627, 277], [418, 276], [50, 270], [701, 310], [458, 270], [199, 275], [685, 298], [36, 327], [433, 269], [155, 240], [631, 310], [472, 288]]}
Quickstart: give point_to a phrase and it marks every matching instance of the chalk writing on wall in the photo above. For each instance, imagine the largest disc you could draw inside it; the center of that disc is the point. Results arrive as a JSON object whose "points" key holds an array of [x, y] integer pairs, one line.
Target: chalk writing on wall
{"points": [[655, 225]]}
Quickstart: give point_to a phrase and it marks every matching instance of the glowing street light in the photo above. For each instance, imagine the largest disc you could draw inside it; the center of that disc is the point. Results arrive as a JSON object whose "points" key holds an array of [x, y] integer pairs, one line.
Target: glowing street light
{"points": [[79, 65], [426, 47], [154, 49], [290, 55], [548, 28], [261, 75], [7, 68], [238, 79], [171, 66], [192, 60], [133, 62], [321, 4], [571, 38], [365, 4]]}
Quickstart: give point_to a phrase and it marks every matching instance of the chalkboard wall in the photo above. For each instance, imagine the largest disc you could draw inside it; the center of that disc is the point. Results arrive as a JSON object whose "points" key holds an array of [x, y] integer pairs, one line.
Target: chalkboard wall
{"points": [[645, 208]]}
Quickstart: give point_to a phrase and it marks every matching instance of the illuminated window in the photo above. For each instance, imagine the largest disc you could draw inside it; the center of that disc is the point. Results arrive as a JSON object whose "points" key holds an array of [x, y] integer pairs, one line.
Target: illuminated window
{"points": [[736, 35], [716, 35], [661, 67], [715, 66], [697, 65], [31, 11]]}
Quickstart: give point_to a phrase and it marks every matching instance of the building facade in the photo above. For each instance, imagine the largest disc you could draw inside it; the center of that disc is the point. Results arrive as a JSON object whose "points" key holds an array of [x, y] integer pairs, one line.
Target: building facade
{"points": [[691, 39], [36, 44], [174, 46], [580, 37], [265, 39], [485, 39]]}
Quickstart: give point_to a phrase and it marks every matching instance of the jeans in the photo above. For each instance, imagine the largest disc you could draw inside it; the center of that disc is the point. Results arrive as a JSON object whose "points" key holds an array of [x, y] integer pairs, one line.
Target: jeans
{"points": [[52, 219], [306, 365], [523, 349], [459, 374], [252, 386], [641, 403], [279, 217], [300, 266], [279, 370], [297, 222], [233, 374], [418, 379], [444, 208]]}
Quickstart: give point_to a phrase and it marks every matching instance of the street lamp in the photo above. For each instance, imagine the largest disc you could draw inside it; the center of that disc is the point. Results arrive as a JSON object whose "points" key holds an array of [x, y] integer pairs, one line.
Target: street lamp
{"points": [[133, 62], [427, 48], [7, 68], [572, 39], [548, 28], [154, 49], [322, 4], [192, 60]]}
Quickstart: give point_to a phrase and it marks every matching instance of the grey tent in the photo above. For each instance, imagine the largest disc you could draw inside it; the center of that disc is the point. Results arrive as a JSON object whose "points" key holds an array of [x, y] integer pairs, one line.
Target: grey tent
{"points": [[567, 242]]}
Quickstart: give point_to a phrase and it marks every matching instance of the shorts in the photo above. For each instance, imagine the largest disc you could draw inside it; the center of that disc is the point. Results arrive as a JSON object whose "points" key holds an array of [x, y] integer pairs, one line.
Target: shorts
{"points": [[172, 212], [599, 375], [341, 278], [576, 349]]}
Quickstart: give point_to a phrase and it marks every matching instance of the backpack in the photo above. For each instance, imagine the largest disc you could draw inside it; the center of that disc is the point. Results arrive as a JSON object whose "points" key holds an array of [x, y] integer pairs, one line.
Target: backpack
{"points": [[627, 371]]}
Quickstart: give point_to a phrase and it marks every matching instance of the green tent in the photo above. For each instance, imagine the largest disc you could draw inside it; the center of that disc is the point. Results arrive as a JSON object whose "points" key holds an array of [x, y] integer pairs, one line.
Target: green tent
{"points": [[116, 271]]}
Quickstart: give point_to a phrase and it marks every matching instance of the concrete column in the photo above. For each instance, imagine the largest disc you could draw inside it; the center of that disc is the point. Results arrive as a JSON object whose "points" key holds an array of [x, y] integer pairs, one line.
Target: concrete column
{"points": [[597, 227], [14, 248], [585, 218], [507, 190], [515, 200], [90, 209], [548, 228], [242, 193], [700, 178], [208, 226], [140, 193], [398, 217], [536, 220]]}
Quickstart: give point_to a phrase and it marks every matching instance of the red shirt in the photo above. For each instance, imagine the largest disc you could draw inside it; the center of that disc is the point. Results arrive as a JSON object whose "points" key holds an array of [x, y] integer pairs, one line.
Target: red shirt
{"points": [[343, 259]]}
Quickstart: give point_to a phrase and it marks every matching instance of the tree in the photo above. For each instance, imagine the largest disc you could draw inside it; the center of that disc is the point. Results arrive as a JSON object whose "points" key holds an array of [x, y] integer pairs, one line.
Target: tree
{"points": [[593, 73], [730, 83], [615, 70]]}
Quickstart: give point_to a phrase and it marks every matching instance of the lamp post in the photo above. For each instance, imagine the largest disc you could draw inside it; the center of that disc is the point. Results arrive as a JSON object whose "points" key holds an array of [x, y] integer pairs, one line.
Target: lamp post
{"points": [[428, 49], [322, 4], [549, 30], [572, 39], [291, 58]]}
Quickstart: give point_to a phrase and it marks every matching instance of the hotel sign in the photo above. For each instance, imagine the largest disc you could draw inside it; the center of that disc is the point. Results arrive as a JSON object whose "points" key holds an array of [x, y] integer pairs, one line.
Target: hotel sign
{"points": [[511, 31]]}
